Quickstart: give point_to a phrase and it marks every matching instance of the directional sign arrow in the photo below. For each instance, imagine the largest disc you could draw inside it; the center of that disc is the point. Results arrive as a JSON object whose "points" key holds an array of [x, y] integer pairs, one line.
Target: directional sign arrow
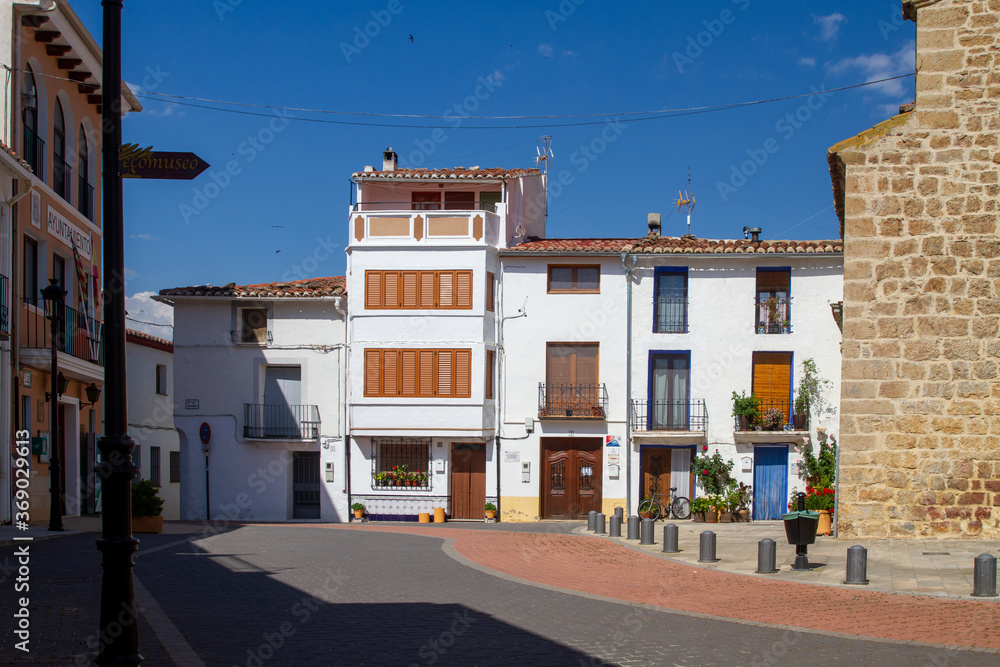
{"points": [[135, 162]]}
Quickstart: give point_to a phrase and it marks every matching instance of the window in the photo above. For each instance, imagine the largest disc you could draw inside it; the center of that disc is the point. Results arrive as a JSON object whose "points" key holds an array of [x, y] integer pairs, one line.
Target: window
{"points": [[459, 201], [489, 374], [31, 292], [85, 191], [398, 462], [418, 290], [419, 373], [59, 272], [670, 374], [175, 467], [773, 301], [772, 381], [34, 147], [425, 201], [671, 301], [566, 278], [253, 326], [154, 465], [490, 291], [571, 384], [161, 379], [61, 172]]}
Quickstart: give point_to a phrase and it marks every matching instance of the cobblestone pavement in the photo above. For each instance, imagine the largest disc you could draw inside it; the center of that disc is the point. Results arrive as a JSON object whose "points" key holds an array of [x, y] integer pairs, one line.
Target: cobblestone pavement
{"points": [[382, 595]]}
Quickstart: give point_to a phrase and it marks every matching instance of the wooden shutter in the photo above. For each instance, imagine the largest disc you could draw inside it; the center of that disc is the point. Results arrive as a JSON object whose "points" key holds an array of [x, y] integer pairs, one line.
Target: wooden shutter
{"points": [[408, 368], [463, 373], [427, 291], [490, 280], [463, 289], [585, 358], [444, 375], [373, 289], [488, 392], [773, 281], [373, 368], [391, 279], [410, 290], [425, 372], [390, 372], [446, 289], [772, 379]]}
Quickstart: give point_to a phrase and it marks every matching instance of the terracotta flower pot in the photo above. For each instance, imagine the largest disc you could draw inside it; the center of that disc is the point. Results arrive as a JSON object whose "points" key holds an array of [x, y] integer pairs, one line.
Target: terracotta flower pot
{"points": [[491, 514], [725, 517], [359, 514], [712, 516], [147, 524], [744, 515], [825, 523], [698, 517]]}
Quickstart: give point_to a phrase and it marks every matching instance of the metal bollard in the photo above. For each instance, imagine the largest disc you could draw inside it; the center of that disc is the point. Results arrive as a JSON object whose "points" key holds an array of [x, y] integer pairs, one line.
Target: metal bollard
{"points": [[706, 548], [984, 577], [616, 526], [599, 523], [670, 539], [620, 513], [857, 565], [590, 520], [646, 531], [633, 528], [767, 552]]}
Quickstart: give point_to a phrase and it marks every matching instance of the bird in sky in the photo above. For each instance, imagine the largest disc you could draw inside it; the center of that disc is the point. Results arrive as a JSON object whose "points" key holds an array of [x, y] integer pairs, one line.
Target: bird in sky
{"points": [[411, 38]]}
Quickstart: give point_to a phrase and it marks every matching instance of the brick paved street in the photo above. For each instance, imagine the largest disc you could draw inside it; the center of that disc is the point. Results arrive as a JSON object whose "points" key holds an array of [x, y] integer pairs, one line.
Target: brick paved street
{"points": [[372, 595]]}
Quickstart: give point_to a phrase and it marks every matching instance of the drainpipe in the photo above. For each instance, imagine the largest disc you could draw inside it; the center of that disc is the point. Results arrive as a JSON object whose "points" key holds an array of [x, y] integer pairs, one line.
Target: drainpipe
{"points": [[628, 264], [341, 307]]}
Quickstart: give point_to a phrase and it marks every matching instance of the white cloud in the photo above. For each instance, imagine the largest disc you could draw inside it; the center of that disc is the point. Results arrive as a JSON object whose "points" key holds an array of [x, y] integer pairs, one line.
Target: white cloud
{"points": [[808, 62], [166, 110], [148, 316], [876, 66], [145, 237], [829, 26], [545, 49]]}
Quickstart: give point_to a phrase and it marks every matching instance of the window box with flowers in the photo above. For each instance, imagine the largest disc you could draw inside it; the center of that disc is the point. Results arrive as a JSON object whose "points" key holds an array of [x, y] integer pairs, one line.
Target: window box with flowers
{"points": [[401, 477]]}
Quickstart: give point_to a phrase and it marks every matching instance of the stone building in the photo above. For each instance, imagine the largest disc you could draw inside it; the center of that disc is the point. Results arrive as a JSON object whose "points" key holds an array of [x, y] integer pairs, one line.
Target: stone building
{"points": [[918, 199]]}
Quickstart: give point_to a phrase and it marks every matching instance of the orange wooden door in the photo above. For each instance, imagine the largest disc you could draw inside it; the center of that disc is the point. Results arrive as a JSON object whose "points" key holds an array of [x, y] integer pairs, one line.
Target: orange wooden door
{"points": [[655, 466], [468, 480]]}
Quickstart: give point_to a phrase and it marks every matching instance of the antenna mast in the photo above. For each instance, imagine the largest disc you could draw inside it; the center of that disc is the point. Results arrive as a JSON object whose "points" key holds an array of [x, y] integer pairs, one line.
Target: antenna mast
{"points": [[686, 199]]}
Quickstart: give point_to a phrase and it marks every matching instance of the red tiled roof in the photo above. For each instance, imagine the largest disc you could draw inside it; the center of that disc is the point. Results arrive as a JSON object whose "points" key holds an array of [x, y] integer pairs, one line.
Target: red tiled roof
{"points": [[20, 160], [668, 245], [457, 173], [142, 338], [310, 287]]}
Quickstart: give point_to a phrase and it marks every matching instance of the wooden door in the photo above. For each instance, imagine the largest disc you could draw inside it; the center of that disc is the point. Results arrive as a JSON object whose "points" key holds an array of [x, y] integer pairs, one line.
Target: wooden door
{"points": [[571, 477], [468, 480], [655, 471]]}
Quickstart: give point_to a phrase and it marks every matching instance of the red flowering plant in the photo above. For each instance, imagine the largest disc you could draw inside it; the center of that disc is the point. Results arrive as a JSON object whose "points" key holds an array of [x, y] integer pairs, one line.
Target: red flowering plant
{"points": [[714, 473], [819, 498]]}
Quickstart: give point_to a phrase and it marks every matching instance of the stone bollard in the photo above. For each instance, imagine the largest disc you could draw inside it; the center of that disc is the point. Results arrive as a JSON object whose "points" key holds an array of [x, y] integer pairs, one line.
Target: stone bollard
{"points": [[857, 566], [599, 523], [616, 526], [670, 539], [984, 577], [590, 520], [767, 556], [646, 531], [706, 548], [633, 528]]}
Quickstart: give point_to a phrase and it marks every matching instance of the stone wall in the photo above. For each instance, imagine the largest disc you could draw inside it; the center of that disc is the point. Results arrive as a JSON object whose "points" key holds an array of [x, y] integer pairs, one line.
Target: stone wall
{"points": [[920, 412]]}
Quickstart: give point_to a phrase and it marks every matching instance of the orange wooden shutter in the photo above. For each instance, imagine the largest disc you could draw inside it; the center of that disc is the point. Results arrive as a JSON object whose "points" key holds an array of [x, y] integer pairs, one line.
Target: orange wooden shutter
{"points": [[425, 373], [463, 373], [408, 363], [463, 289], [446, 289], [490, 280], [410, 290], [391, 279], [427, 292], [489, 374], [390, 372], [772, 378], [373, 289], [444, 376], [586, 364], [373, 368]]}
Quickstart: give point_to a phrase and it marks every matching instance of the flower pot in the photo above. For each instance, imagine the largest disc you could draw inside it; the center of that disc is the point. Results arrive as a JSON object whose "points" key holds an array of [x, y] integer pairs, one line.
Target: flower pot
{"points": [[645, 515], [147, 524], [725, 517], [825, 526], [698, 517], [743, 423], [358, 514], [491, 514], [744, 515], [799, 422], [712, 516]]}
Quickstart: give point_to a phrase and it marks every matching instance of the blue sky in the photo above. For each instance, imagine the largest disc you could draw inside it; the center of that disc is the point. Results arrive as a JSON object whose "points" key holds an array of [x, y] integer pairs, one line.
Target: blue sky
{"points": [[283, 204]]}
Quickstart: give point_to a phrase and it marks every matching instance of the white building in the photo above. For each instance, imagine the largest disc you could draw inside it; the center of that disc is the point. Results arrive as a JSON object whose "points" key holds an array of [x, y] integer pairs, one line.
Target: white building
{"points": [[258, 395], [150, 362]]}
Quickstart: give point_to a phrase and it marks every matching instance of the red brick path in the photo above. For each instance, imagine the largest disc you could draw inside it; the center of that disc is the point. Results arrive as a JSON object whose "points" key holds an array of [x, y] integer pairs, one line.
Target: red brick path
{"points": [[599, 567]]}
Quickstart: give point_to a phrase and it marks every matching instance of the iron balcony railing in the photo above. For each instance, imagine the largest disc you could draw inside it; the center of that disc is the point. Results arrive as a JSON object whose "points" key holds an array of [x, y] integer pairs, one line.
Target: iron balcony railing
{"points": [[280, 421], [774, 416], [424, 206], [62, 177], [663, 415], [671, 314], [773, 315], [251, 336], [85, 198], [4, 305], [82, 335], [568, 400], [33, 149]]}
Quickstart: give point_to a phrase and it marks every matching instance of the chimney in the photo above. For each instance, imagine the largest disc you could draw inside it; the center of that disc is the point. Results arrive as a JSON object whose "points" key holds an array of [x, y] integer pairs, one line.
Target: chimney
{"points": [[752, 233], [389, 159], [653, 220]]}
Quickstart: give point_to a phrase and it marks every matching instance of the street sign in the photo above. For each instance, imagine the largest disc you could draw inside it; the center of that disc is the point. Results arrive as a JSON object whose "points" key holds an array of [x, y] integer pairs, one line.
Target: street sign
{"points": [[135, 162]]}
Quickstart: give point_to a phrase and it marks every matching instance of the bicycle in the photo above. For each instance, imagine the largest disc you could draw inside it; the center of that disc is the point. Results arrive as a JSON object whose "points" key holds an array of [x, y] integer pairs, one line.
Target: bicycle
{"points": [[678, 506]]}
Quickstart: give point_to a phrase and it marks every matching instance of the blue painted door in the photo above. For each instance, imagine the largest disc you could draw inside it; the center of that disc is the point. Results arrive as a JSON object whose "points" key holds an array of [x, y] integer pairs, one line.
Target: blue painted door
{"points": [[770, 482]]}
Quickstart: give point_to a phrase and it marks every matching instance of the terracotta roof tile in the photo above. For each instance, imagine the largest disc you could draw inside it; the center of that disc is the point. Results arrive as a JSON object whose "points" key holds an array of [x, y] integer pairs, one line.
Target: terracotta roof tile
{"points": [[143, 338], [457, 173], [310, 287], [20, 160], [674, 245]]}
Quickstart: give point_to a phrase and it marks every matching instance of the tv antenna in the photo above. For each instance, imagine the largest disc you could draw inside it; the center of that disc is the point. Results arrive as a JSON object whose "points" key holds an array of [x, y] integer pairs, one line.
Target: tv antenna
{"points": [[686, 198], [545, 154]]}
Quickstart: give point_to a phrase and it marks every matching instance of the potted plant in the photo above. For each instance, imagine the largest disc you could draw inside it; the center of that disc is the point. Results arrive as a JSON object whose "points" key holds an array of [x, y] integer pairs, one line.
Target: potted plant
{"points": [[746, 409], [699, 508], [714, 473], [715, 502], [645, 509], [820, 470], [775, 310], [809, 393], [744, 496], [800, 414], [772, 419], [147, 508], [821, 500], [421, 479], [359, 510], [491, 510], [381, 478]]}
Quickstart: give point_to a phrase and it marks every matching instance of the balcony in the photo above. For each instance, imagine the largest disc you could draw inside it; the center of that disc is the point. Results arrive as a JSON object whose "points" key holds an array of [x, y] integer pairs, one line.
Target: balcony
{"points": [[33, 150], [565, 400], [671, 314], [251, 336], [83, 336], [773, 315], [62, 177], [85, 200], [263, 421], [774, 424], [399, 222], [673, 416]]}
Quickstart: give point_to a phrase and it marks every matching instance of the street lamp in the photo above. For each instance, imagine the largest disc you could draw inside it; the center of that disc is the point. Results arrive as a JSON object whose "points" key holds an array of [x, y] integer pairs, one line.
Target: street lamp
{"points": [[55, 299], [93, 395]]}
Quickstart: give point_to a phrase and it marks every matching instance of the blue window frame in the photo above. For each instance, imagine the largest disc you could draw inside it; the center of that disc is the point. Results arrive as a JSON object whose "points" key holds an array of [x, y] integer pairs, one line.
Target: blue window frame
{"points": [[669, 407], [670, 300]]}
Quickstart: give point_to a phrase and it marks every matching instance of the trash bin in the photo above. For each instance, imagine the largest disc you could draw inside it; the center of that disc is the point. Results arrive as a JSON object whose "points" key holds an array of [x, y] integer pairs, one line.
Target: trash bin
{"points": [[800, 527]]}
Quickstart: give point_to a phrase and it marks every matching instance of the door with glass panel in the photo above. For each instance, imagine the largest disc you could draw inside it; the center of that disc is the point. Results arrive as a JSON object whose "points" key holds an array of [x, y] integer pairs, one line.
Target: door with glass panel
{"points": [[669, 408]]}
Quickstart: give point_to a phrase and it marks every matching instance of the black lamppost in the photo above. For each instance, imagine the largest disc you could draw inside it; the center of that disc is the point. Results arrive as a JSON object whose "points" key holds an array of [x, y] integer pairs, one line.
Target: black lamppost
{"points": [[55, 300]]}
